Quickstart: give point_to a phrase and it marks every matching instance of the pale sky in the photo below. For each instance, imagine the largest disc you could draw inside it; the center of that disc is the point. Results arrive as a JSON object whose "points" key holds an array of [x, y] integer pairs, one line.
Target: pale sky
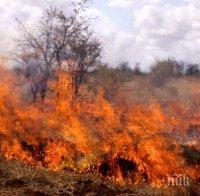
{"points": [[131, 30]]}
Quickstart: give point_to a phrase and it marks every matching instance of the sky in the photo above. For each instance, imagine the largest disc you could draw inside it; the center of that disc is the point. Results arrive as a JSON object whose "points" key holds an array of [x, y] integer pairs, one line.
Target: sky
{"points": [[137, 31]]}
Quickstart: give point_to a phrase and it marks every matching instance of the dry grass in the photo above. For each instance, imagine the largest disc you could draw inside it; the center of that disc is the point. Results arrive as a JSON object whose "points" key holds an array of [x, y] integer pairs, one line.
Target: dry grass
{"points": [[141, 90], [19, 179]]}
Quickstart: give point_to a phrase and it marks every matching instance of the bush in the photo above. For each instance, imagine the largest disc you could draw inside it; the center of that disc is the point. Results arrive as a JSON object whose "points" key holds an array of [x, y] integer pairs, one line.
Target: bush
{"points": [[192, 70], [165, 69]]}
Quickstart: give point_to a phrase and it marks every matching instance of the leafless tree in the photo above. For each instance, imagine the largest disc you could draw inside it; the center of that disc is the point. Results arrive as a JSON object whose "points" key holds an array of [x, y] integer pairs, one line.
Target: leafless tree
{"points": [[58, 37]]}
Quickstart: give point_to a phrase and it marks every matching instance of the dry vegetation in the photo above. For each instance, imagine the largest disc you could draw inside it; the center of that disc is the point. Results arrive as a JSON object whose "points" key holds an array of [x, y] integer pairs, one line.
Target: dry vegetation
{"points": [[19, 179], [72, 126], [134, 135]]}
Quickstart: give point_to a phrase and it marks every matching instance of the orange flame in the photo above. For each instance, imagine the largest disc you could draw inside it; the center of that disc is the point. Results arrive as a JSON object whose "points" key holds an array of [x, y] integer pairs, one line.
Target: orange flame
{"points": [[120, 142]]}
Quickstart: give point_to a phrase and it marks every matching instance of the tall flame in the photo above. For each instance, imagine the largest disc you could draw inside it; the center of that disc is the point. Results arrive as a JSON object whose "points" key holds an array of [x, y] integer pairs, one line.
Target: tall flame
{"points": [[122, 142]]}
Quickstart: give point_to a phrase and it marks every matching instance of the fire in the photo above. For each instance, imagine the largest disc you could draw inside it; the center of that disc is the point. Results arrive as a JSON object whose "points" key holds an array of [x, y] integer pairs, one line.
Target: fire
{"points": [[120, 142]]}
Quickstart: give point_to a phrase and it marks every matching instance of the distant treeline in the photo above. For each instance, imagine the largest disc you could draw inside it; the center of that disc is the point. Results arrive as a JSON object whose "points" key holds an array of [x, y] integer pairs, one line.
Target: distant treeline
{"points": [[159, 72], [133, 81], [168, 76], [168, 66]]}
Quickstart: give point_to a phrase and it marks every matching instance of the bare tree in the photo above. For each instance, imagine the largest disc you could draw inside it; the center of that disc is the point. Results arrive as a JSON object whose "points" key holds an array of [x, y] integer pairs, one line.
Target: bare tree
{"points": [[58, 37]]}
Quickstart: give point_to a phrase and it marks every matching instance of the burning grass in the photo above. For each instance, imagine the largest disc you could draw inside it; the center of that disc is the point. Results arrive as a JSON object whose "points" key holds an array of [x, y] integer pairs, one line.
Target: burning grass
{"points": [[19, 179], [123, 143]]}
